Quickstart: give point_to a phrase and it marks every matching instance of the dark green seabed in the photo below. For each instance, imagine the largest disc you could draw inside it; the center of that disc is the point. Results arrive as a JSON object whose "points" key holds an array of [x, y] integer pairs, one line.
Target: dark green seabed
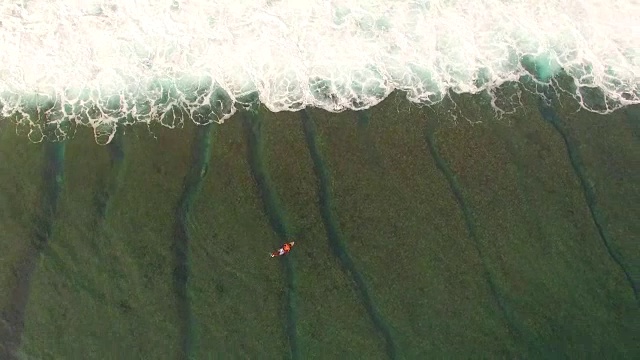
{"points": [[417, 237]]}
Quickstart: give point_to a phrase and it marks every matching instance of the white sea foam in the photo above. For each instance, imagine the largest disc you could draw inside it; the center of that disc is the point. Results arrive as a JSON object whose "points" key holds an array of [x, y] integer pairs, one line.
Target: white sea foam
{"points": [[103, 62]]}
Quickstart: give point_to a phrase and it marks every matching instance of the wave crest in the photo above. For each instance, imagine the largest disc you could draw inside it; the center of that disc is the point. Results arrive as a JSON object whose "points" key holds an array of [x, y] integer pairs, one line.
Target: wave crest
{"points": [[109, 62]]}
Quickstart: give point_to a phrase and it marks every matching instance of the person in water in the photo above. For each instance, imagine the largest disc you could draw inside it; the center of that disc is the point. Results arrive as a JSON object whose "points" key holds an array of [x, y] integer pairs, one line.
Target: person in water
{"points": [[286, 247]]}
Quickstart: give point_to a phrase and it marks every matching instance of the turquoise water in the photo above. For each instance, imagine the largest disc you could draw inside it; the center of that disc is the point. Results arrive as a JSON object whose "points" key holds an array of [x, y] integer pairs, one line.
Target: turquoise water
{"points": [[453, 191]]}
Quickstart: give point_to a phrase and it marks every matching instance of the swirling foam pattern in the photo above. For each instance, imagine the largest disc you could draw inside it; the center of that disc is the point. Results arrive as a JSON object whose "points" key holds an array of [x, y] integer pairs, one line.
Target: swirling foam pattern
{"points": [[105, 62]]}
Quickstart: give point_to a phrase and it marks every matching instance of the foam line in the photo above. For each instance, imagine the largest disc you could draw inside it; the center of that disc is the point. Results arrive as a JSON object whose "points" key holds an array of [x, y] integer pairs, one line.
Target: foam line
{"points": [[103, 63]]}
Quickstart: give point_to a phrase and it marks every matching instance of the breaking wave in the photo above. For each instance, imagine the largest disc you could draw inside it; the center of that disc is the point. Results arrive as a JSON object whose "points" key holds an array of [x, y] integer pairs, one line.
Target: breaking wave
{"points": [[72, 62]]}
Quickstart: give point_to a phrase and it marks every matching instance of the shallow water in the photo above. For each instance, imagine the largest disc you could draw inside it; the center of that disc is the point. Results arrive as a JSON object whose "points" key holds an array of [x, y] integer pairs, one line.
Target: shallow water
{"points": [[416, 236]]}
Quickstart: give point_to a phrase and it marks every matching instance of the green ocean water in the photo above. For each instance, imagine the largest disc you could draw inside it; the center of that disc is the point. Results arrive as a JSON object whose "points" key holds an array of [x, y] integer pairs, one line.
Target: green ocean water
{"points": [[435, 232]]}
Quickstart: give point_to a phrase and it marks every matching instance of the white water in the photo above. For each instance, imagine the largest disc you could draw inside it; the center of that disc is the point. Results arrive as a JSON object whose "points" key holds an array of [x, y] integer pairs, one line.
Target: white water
{"points": [[102, 62]]}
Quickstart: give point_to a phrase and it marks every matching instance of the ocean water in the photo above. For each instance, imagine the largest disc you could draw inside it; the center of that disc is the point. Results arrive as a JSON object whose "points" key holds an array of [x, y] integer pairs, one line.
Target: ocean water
{"points": [[107, 62], [460, 178]]}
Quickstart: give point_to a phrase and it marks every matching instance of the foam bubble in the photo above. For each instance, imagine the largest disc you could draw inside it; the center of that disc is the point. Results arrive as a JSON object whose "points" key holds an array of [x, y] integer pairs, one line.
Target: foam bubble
{"points": [[102, 63]]}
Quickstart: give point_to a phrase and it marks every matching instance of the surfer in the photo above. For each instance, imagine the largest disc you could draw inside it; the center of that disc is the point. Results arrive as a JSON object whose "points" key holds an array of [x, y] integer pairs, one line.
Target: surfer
{"points": [[286, 247]]}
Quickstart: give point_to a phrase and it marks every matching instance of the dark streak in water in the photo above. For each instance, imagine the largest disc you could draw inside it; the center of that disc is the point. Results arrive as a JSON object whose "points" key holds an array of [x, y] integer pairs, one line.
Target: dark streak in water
{"points": [[116, 152], [276, 218], [334, 235], [201, 154], [12, 325], [576, 162], [108, 187], [467, 213], [103, 204], [541, 347]]}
